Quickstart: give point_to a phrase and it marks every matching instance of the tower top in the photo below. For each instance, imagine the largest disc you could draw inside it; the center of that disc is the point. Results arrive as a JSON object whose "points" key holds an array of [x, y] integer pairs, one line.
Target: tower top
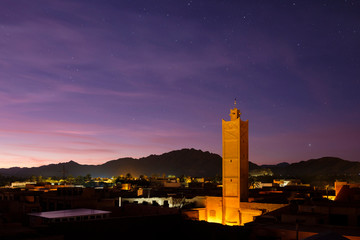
{"points": [[234, 113]]}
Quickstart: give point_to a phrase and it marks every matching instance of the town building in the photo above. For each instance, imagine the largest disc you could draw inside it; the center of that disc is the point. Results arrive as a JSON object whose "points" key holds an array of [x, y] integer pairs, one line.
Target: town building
{"points": [[314, 217]]}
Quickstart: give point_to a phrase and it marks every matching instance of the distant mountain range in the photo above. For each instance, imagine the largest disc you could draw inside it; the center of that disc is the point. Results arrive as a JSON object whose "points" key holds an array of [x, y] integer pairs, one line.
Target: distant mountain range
{"points": [[189, 162], [325, 166]]}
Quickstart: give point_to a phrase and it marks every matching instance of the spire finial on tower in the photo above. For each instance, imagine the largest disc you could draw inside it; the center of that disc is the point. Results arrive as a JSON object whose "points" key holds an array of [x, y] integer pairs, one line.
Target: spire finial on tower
{"points": [[234, 113]]}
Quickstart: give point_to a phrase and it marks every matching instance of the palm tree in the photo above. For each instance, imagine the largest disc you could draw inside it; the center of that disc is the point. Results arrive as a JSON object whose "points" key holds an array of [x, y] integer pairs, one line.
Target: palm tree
{"points": [[128, 176]]}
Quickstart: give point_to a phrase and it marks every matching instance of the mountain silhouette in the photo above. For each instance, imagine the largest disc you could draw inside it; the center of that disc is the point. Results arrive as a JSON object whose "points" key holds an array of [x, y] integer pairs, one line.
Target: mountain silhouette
{"points": [[188, 162], [325, 166]]}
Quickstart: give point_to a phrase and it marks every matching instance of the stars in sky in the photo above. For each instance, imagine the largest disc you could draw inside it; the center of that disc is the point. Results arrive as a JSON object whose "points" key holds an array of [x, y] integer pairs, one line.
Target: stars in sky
{"points": [[94, 81]]}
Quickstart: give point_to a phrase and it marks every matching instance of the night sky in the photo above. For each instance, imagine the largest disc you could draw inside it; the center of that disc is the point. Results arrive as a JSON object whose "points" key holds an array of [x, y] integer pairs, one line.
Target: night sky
{"points": [[92, 81]]}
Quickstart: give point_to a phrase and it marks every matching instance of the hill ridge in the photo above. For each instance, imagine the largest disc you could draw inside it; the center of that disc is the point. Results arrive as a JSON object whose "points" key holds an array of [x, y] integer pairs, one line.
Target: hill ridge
{"points": [[190, 162], [186, 162]]}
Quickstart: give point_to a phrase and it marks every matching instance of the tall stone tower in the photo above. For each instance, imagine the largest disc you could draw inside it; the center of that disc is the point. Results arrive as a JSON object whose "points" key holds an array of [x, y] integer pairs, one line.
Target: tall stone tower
{"points": [[235, 166]]}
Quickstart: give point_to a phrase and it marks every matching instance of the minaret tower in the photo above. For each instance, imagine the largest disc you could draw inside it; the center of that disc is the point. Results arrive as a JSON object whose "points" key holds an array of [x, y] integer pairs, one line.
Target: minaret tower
{"points": [[235, 166]]}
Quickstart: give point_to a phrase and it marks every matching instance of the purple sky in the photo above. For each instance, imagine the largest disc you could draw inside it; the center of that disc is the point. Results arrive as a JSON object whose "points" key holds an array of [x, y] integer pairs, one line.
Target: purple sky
{"points": [[92, 81]]}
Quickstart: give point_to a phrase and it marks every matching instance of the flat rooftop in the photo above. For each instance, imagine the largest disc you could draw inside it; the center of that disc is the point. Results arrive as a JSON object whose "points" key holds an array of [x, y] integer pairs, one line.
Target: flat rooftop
{"points": [[69, 213]]}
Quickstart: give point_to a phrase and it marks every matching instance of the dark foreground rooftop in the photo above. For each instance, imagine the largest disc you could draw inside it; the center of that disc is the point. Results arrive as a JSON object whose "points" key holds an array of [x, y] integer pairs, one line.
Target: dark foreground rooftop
{"points": [[68, 213]]}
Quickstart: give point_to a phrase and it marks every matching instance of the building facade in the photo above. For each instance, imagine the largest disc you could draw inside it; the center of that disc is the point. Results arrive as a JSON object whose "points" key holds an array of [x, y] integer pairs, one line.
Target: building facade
{"points": [[235, 166]]}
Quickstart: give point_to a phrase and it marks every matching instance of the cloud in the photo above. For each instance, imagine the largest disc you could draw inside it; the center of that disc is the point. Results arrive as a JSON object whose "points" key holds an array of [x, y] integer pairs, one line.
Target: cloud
{"points": [[87, 143]]}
